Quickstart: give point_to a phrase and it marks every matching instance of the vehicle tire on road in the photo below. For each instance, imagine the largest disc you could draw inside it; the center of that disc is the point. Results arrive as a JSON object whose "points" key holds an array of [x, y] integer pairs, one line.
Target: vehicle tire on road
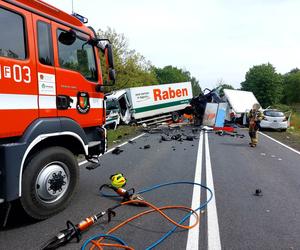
{"points": [[48, 182]]}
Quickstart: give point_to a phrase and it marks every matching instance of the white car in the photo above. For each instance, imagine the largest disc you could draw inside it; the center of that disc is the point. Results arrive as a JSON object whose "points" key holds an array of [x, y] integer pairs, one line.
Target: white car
{"points": [[274, 119]]}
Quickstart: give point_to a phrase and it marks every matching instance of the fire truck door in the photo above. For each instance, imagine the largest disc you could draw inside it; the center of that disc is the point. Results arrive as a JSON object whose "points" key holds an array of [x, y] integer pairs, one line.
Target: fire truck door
{"points": [[18, 83], [77, 77], [45, 67]]}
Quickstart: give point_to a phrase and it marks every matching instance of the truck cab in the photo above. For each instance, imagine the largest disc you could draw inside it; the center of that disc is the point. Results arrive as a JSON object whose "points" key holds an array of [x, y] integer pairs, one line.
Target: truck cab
{"points": [[51, 104], [118, 103]]}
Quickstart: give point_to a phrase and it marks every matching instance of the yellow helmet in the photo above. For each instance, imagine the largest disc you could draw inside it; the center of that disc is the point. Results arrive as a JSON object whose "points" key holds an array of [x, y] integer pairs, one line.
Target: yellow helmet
{"points": [[118, 180]]}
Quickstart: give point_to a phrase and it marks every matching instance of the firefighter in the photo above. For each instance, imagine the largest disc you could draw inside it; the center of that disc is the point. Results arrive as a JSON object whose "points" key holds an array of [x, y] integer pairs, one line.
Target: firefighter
{"points": [[255, 116]]}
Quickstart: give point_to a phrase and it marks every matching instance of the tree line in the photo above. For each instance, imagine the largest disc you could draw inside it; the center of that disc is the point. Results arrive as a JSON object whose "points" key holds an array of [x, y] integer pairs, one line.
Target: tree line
{"points": [[134, 70], [271, 87]]}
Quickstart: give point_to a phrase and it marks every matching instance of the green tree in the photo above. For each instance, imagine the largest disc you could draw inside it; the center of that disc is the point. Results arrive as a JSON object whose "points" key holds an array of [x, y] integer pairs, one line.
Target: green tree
{"points": [[291, 89], [221, 86], [170, 74], [131, 67], [195, 86], [265, 83]]}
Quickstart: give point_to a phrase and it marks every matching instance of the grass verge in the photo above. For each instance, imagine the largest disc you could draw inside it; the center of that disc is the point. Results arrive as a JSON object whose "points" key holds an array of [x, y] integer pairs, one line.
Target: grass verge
{"points": [[122, 133]]}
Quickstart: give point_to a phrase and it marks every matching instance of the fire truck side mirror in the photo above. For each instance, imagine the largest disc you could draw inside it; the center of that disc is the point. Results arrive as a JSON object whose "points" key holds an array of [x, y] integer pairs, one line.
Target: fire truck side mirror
{"points": [[109, 56], [112, 75], [67, 37]]}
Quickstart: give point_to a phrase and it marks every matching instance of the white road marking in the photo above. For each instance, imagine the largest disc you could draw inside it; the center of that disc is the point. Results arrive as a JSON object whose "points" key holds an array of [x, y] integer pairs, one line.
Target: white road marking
{"points": [[282, 144], [193, 234], [213, 233], [108, 151]]}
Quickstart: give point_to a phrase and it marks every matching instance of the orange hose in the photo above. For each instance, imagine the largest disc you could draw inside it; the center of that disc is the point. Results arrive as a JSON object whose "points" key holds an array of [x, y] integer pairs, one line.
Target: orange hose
{"points": [[99, 244]]}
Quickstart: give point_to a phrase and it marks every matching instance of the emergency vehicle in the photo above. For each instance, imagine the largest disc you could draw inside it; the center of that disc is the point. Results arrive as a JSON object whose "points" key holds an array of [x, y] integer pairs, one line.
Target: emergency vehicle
{"points": [[51, 103]]}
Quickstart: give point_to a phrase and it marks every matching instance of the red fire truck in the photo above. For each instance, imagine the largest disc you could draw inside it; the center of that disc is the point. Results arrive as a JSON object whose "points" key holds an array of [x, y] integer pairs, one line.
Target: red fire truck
{"points": [[51, 103]]}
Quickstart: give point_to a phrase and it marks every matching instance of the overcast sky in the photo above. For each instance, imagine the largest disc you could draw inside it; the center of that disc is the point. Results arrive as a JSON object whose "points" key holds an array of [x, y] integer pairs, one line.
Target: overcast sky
{"points": [[213, 39]]}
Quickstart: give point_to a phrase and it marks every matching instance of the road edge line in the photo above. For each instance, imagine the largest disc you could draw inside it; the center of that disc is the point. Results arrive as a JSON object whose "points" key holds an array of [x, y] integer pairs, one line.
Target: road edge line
{"points": [[213, 232], [282, 144], [193, 234], [108, 151]]}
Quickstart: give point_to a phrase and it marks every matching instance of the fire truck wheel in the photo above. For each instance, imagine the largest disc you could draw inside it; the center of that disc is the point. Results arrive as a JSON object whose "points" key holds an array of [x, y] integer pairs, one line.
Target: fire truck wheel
{"points": [[49, 181]]}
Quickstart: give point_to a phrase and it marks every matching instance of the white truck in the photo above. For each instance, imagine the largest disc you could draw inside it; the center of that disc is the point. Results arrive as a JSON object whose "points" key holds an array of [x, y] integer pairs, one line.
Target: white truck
{"points": [[149, 104], [239, 103]]}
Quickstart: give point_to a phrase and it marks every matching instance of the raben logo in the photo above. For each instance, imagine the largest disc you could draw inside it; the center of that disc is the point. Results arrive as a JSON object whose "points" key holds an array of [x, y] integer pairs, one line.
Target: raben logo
{"points": [[169, 94]]}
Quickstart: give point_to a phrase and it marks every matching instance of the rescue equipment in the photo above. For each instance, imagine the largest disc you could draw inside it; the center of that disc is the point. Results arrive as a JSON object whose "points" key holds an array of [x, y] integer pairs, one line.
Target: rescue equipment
{"points": [[118, 180], [129, 197]]}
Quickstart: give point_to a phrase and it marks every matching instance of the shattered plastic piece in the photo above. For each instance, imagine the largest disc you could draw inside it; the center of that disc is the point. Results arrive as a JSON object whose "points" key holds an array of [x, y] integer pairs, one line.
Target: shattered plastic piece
{"points": [[92, 166], [147, 146], [163, 138], [263, 154], [258, 192], [189, 138], [176, 137], [153, 130], [194, 130], [232, 134], [131, 142], [279, 159], [117, 151], [220, 133]]}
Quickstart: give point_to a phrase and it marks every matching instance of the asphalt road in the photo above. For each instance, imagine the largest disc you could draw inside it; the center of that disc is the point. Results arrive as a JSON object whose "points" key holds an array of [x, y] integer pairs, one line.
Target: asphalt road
{"points": [[236, 219]]}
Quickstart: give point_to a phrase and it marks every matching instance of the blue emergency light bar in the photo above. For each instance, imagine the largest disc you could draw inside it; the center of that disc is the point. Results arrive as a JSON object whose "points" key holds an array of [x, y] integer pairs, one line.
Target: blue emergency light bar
{"points": [[80, 17]]}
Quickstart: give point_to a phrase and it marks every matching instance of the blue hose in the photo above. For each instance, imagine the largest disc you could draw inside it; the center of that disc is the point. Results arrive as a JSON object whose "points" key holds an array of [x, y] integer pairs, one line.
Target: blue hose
{"points": [[151, 189]]}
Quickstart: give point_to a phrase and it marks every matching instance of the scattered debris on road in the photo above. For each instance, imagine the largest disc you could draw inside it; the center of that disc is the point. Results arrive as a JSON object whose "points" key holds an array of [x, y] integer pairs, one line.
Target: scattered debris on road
{"points": [[117, 151], [232, 134], [146, 147], [258, 192], [189, 138], [92, 166]]}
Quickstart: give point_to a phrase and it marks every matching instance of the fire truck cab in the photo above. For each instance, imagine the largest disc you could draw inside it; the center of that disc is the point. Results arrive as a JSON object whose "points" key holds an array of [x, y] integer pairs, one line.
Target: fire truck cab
{"points": [[51, 104]]}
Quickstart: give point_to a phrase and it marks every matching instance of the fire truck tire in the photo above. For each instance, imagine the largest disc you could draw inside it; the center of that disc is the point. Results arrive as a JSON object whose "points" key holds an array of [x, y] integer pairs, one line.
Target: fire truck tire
{"points": [[49, 180]]}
